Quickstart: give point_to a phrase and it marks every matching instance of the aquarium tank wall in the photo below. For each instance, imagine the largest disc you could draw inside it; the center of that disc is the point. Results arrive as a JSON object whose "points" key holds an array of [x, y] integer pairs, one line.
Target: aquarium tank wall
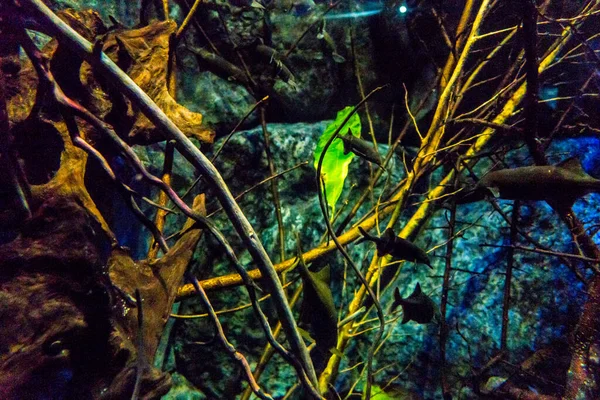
{"points": [[299, 199]]}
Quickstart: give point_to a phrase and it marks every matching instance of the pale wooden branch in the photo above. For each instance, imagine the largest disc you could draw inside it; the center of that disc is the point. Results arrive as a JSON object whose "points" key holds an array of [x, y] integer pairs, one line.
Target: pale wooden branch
{"points": [[105, 66]]}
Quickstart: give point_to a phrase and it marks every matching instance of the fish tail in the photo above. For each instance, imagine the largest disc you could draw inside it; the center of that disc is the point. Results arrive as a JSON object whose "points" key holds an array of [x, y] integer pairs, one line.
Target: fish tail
{"points": [[401, 302], [347, 148], [303, 267], [596, 186], [427, 261], [404, 317], [397, 297], [366, 235]]}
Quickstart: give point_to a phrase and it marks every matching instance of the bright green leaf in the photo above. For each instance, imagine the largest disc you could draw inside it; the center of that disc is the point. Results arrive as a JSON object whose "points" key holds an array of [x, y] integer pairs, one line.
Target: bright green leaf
{"points": [[335, 162]]}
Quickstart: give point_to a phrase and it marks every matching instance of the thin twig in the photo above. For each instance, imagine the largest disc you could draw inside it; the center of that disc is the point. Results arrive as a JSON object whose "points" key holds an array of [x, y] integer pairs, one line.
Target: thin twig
{"points": [[187, 20], [160, 218], [444, 297], [234, 130], [239, 357], [546, 252], [274, 189], [268, 351], [531, 67], [141, 356], [508, 278]]}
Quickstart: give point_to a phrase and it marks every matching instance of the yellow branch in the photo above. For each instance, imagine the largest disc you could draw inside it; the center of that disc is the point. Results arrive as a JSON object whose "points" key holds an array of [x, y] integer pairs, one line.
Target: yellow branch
{"points": [[422, 214]]}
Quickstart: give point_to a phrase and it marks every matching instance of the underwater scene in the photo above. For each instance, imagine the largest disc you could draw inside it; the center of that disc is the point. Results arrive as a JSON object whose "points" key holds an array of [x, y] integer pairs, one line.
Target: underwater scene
{"points": [[299, 199]]}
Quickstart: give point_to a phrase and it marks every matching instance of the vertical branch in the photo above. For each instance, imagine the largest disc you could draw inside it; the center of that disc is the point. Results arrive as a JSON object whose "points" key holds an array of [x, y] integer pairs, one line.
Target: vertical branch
{"points": [[508, 279], [269, 351], [531, 67], [581, 383], [141, 355], [444, 299], [160, 218], [161, 214], [187, 19], [361, 90], [460, 40], [165, 9], [274, 189], [239, 357]]}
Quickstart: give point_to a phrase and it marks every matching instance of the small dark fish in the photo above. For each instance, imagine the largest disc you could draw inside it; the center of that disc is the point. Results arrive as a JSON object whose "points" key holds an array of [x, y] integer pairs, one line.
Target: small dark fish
{"points": [[361, 148], [417, 307], [559, 184], [397, 247], [326, 37], [318, 308]]}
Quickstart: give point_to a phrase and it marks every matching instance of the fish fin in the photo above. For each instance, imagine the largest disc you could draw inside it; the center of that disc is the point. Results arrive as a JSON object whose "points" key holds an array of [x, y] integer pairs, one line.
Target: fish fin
{"points": [[114, 21], [336, 352], [426, 261], [324, 275], [398, 297], [304, 333], [360, 154], [572, 164], [405, 317], [562, 204], [379, 163], [417, 290], [126, 49], [494, 191], [304, 271], [366, 235], [347, 148], [361, 240], [338, 58], [389, 233]]}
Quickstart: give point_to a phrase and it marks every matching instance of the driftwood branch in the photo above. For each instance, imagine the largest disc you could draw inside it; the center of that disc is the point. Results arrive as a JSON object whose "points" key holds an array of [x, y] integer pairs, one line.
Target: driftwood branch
{"points": [[105, 66]]}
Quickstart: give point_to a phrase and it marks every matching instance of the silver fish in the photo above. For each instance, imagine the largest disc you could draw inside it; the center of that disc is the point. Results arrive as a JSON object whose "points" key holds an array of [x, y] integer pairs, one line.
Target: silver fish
{"points": [[326, 37], [361, 148], [559, 184]]}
